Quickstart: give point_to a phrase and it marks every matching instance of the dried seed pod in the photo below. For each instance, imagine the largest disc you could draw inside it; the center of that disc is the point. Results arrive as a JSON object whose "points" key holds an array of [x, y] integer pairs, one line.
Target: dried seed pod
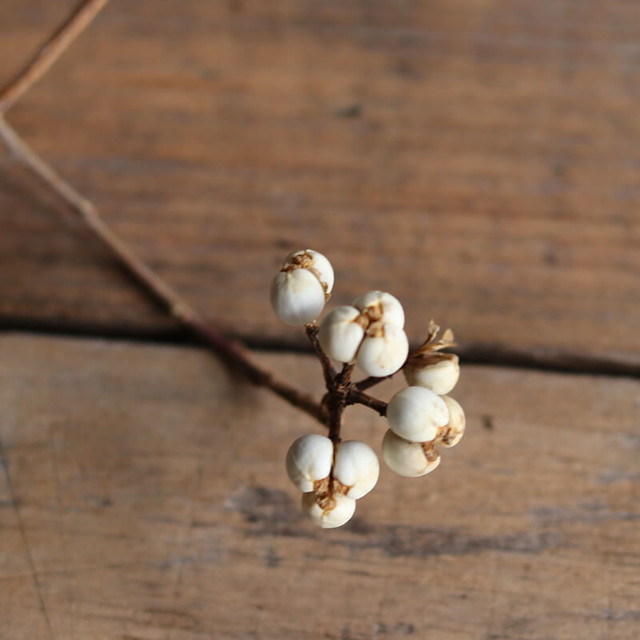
{"points": [[328, 513], [341, 333], [383, 351], [416, 414], [356, 468], [309, 461], [380, 306], [409, 459], [452, 432], [301, 288], [439, 372]]}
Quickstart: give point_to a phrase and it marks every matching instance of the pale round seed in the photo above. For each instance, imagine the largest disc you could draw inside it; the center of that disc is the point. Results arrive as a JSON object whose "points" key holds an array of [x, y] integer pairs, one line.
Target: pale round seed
{"points": [[315, 262], [382, 307], [338, 512], [383, 354], [408, 459], [416, 413], [340, 335], [356, 468], [452, 433], [309, 460], [297, 297], [440, 377]]}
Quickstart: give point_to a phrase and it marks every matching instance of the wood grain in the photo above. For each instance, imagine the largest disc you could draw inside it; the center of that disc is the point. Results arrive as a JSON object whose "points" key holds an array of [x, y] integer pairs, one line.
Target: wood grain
{"points": [[478, 159], [143, 496]]}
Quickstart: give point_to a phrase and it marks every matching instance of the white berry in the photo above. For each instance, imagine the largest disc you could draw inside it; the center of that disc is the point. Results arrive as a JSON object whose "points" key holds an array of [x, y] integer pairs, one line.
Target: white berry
{"points": [[381, 307], [416, 413], [309, 460], [383, 351], [408, 459], [356, 468], [454, 430], [334, 512], [301, 288], [315, 262], [440, 376], [297, 297], [340, 333]]}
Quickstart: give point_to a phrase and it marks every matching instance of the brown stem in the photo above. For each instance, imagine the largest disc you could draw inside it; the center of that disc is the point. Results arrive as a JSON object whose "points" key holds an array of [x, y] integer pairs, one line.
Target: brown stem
{"points": [[340, 390], [328, 370], [232, 352], [355, 396], [49, 52]]}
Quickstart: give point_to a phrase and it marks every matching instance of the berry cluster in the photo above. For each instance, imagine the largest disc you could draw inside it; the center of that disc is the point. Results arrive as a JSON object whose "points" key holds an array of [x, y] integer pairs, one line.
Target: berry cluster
{"points": [[331, 473]]}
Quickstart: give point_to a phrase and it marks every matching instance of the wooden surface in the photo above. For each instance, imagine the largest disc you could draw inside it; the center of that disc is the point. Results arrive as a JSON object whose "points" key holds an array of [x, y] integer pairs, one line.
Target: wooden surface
{"points": [[143, 496], [478, 159]]}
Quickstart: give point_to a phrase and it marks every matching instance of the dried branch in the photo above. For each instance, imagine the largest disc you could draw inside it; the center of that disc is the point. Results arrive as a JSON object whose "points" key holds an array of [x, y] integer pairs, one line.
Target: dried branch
{"points": [[49, 52], [231, 351], [356, 396], [340, 390]]}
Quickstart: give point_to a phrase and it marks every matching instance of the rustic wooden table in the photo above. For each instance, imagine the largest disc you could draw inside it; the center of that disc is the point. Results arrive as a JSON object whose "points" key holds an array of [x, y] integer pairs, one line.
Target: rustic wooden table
{"points": [[480, 160]]}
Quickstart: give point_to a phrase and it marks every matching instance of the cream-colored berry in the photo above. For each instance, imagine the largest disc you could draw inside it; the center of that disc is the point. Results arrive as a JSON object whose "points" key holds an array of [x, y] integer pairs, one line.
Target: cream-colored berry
{"points": [[453, 431], [297, 297], [381, 307], [416, 414], [440, 376], [383, 351], [409, 459], [328, 513], [315, 262], [309, 461], [299, 291], [356, 468], [341, 333]]}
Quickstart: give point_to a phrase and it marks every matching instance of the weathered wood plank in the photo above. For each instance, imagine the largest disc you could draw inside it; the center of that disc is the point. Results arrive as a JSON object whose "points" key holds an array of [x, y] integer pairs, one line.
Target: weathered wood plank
{"points": [[151, 489], [476, 158]]}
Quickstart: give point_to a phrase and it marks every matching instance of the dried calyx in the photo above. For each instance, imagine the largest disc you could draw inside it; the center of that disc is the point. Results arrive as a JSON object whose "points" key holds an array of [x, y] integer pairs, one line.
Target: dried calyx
{"points": [[429, 367]]}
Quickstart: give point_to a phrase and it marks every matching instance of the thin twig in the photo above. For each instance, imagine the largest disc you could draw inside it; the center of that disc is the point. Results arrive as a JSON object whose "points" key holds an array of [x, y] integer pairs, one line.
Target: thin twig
{"points": [[359, 397], [49, 52], [231, 351], [328, 370], [340, 390]]}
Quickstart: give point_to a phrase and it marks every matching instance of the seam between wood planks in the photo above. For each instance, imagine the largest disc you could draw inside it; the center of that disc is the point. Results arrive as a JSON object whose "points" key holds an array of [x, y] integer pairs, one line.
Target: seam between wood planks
{"points": [[496, 355]]}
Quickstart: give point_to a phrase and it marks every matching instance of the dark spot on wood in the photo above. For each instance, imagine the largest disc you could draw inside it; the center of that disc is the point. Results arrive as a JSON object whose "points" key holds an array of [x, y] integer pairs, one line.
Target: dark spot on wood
{"points": [[405, 70], [550, 256], [487, 422], [610, 614], [400, 628], [97, 501], [286, 244], [346, 633], [173, 618], [271, 511], [349, 111], [582, 512], [397, 541], [272, 559]]}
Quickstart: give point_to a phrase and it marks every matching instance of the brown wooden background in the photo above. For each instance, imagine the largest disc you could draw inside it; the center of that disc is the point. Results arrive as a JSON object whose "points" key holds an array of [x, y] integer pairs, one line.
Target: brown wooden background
{"points": [[480, 159]]}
